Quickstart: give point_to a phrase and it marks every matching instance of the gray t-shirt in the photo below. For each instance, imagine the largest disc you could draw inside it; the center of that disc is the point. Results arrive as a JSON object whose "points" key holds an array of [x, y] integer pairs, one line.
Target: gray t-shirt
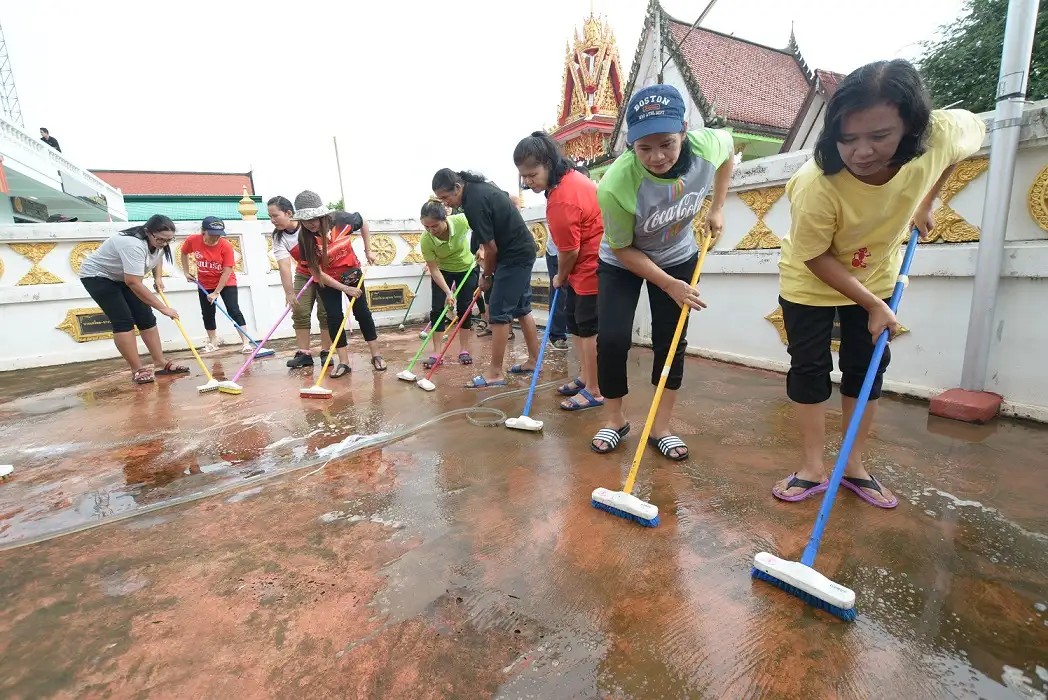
{"points": [[654, 214], [121, 255]]}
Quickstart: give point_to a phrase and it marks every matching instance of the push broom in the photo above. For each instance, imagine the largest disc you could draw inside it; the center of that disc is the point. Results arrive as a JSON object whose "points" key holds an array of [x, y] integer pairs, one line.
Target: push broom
{"points": [[316, 391], [230, 386], [623, 503], [412, 302], [524, 421], [212, 383], [426, 382], [407, 375], [259, 350], [799, 578]]}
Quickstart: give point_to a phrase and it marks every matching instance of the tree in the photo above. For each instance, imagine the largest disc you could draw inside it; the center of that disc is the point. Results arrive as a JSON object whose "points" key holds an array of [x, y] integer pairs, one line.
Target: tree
{"points": [[963, 65], [337, 206]]}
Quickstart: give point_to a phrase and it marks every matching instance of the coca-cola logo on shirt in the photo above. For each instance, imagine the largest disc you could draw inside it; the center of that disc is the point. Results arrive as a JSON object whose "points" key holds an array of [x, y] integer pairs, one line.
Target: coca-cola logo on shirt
{"points": [[685, 208]]}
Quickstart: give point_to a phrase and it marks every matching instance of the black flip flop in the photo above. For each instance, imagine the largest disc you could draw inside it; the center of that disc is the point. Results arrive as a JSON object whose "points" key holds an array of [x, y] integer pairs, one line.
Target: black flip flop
{"points": [[667, 443], [612, 437], [375, 359], [340, 370]]}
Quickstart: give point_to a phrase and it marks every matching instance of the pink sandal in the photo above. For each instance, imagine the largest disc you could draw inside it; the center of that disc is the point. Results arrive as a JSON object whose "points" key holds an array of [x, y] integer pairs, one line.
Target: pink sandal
{"points": [[811, 488], [465, 358]]}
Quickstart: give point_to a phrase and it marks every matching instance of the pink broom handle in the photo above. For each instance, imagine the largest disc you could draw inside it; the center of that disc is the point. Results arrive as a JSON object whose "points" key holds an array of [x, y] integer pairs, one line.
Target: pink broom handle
{"points": [[271, 331]]}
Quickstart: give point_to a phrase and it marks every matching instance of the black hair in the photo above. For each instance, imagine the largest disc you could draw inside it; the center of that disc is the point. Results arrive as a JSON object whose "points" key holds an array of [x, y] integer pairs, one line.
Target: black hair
{"points": [[434, 209], [315, 256], [445, 179], [542, 150], [896, 82], [45, 130], [155, 224], [285, 205]]}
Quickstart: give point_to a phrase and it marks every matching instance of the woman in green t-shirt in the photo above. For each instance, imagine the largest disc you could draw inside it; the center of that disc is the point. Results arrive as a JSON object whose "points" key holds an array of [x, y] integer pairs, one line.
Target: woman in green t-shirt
{"points": [[445, 248]]}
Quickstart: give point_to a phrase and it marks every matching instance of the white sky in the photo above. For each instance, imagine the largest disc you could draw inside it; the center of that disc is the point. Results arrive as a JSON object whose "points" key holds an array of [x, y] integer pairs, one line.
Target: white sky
{"points": [[408, 86]]}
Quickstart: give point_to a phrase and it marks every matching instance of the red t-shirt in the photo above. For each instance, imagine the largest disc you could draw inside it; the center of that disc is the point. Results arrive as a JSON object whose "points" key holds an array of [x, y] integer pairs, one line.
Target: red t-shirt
{"points": [[341, 257], [210, 260], [575, 223]]}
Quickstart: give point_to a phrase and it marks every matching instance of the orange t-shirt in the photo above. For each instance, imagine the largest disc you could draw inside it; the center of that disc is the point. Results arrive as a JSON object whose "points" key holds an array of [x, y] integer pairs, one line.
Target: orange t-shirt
{"points": [[575, 223], [211, 260], [341, 257]]}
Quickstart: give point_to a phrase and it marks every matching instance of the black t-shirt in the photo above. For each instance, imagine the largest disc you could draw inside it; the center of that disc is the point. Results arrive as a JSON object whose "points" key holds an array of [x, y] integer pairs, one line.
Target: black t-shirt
{"points": [[52, 142], [353, 219], [493, 217]]}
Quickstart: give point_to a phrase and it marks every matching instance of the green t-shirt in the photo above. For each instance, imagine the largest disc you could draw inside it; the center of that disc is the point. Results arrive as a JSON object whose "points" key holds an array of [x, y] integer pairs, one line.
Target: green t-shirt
{"points": [[653, 214], [452, 255]]}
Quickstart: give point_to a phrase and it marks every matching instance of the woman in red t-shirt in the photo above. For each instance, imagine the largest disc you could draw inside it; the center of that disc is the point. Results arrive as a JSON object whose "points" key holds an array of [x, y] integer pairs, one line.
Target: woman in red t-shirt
{"points": [[328, 255], [215, 260], [576, 226]]}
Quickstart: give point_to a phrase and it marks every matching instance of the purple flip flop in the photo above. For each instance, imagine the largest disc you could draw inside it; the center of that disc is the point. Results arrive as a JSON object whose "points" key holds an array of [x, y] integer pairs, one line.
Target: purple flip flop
{"points": [[811, 488], [856, 486]]}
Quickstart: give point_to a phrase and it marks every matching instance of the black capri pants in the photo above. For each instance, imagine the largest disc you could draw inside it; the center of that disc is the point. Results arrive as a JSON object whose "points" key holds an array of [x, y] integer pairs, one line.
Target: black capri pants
{"points": [[809, 332], [120, 305], [464, 287], [230, 298], [332, 300], [581, 310], [617, 297]]}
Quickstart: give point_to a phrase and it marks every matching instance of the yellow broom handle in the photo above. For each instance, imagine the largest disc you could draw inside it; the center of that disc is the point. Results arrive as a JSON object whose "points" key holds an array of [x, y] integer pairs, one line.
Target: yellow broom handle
{"points": [[684, 312], [188, 341], [334, 341]]}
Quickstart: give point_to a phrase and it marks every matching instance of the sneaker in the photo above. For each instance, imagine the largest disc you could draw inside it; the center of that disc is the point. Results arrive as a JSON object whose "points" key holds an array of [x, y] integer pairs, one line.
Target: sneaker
{"points": [[323, 356], [559, 344], [209, 347], [301, 359]]}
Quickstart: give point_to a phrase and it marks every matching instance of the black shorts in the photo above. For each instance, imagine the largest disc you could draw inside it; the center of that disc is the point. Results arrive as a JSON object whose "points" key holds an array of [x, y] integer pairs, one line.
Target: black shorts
{"points": [[120, 305], [809, 332], [465, 287], [581, 313], [510, 295]]}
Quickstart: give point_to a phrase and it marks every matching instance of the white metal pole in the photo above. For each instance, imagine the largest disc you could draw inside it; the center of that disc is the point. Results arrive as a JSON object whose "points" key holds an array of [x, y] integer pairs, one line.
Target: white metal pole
{"points": [[1004, 142]]}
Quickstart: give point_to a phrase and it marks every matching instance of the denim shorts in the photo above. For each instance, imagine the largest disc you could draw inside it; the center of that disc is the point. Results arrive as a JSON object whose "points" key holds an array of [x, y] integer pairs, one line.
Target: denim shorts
{"points": [[510, 295]]}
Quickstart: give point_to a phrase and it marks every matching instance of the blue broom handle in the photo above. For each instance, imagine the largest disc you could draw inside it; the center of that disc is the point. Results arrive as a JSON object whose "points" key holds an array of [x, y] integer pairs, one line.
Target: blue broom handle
{"points": [[542, 352], [860, 407], [226, 314]]}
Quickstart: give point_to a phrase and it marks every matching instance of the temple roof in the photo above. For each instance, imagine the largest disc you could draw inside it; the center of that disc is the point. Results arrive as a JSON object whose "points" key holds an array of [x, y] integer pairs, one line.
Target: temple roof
{"points": [[820, 92], [755, 88], [170, 182]]}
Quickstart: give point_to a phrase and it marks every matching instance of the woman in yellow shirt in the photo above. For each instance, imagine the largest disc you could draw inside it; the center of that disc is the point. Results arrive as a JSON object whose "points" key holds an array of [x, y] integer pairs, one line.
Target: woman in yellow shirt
{"points": [[878, 165]]}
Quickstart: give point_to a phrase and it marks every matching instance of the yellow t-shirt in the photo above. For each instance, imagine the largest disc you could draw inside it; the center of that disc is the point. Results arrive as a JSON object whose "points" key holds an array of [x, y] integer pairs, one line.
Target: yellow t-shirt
{"points": [[864, 226]]}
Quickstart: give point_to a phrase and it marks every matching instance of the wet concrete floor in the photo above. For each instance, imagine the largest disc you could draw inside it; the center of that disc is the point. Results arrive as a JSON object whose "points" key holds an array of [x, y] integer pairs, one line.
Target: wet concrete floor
{"points": [[467, 562]]}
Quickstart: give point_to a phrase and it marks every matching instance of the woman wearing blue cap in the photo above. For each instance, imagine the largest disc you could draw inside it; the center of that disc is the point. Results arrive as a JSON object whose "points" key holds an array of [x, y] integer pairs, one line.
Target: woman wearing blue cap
{"points": [[215, 260], [648, 199]]}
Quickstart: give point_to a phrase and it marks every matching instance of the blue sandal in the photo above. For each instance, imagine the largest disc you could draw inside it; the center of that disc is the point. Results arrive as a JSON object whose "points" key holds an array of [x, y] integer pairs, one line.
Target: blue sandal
{"points": [[517, 369], [574, 405], [569, 390], [478, 382]]}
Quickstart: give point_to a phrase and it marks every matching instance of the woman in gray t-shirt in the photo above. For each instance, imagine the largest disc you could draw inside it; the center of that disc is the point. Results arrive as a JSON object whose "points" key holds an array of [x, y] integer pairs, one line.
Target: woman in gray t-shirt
{"points": [[113, 276]]}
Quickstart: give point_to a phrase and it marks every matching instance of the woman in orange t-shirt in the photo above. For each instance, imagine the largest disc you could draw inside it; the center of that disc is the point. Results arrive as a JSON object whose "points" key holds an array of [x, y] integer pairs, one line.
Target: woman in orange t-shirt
{"points": [[328, 255], [214, 260], [577, 228]]}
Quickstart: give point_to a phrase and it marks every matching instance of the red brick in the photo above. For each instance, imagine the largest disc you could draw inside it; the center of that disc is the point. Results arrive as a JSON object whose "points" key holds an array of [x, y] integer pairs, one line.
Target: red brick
{"points": [[150, 182], [967, 406]]}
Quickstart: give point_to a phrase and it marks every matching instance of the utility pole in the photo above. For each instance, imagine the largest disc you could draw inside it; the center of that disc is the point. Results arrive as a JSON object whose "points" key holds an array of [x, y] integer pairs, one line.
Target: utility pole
{"points": [[8, 93], [341, 189]]}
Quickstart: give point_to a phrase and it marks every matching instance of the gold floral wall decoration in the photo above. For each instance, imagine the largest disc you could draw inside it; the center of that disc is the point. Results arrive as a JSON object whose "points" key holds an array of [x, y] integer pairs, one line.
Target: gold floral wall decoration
{"points": [[775, 319], [384, 248], [541, 235], [1, 269], [698, 224], [760, 202], [415, 256], [238, 257], [269, 253], [1037, 199], [34, 253], [950, 227], [80, 252]]}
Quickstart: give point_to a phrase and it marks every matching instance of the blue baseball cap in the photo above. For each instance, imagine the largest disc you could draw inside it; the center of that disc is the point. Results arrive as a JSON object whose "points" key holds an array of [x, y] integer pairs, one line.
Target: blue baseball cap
{"points": [[656, 109], [213, 226]]}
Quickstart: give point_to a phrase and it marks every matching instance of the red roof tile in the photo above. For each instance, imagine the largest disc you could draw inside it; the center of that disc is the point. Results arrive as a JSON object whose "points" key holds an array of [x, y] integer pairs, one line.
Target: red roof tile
{"points": [[828, 81], [162, 182], [746, 82]]}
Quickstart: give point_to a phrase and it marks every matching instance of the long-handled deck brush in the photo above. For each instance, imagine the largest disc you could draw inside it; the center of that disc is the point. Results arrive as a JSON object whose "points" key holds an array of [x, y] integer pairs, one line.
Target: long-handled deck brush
{"points": [[259, 350], [406, 374], [230, 386], [212, 383], [427, 381], [524, 421], [412, 302], [798, 577], [316, 391], [623, 503]]}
